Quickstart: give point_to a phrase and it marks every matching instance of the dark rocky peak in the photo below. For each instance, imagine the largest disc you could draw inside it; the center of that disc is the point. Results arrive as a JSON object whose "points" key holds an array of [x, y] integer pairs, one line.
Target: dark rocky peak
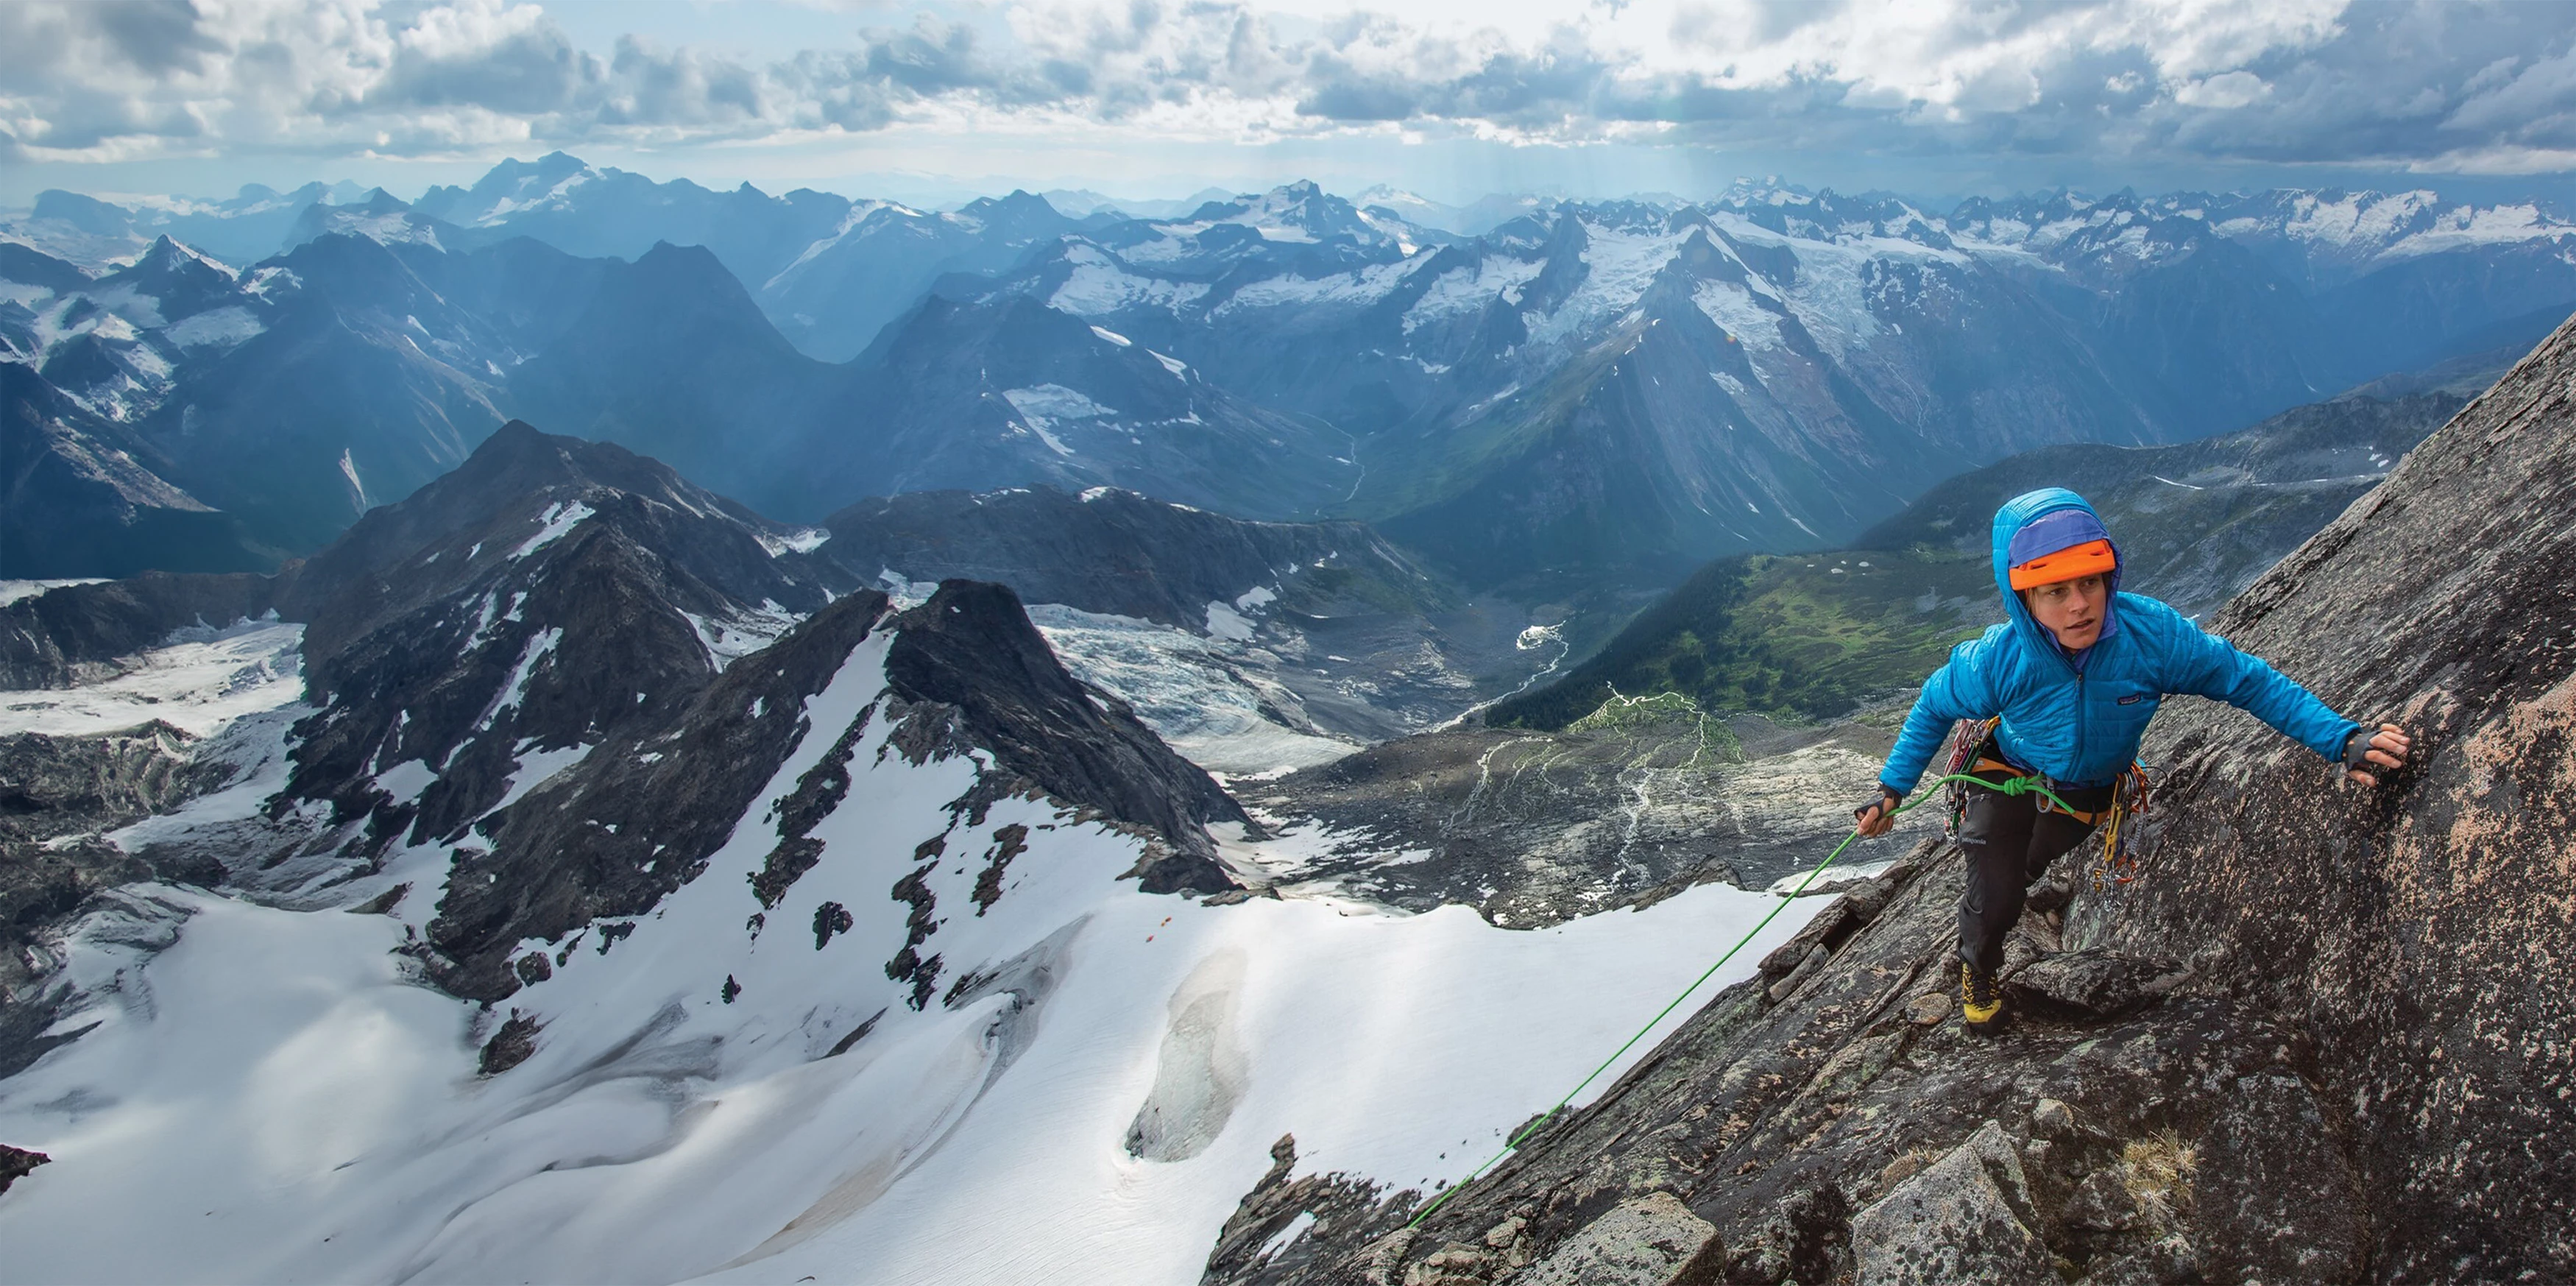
{"points": [[435, 702], [1217, 210], [29, 266], [1565, 269], [675, 295], [528, 291], [1020, 216], [357, 273], [520, 494], [1113, 551], [545, 594], [637, 817], [86, 213], [2318, 1037], [179, 280], [640, 815], [971, 649]]}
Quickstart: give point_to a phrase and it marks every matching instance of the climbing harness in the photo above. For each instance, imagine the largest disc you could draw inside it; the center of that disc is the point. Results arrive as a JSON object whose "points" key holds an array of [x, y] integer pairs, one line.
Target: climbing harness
{"points": [[2022, 785], [2114, 865]]}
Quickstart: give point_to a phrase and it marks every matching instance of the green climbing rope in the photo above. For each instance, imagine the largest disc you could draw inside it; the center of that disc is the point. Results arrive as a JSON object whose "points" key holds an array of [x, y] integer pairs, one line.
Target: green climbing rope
{"points": [[2010, 786]]}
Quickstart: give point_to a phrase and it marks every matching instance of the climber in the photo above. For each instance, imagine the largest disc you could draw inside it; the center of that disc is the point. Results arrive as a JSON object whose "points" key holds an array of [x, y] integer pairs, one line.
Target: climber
{"points": [[2072, 676]]}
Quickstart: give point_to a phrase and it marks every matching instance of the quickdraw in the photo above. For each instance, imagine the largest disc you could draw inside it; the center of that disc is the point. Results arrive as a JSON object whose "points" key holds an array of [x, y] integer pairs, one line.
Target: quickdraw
{"points": [[2114, 865], [1966, 740]]}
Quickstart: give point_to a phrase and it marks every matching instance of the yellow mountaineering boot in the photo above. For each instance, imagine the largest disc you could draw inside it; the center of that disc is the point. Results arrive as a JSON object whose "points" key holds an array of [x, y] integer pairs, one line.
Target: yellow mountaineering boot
{"points": [[1979, 1003]]}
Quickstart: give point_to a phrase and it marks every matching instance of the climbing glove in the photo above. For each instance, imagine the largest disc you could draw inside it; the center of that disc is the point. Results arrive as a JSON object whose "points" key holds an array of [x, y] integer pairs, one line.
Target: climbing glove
{"points": [[1885, 804]]}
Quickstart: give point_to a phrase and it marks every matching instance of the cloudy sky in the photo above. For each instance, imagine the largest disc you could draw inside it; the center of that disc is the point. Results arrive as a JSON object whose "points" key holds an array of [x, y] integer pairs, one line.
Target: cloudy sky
{"points": [[1937, 98]]}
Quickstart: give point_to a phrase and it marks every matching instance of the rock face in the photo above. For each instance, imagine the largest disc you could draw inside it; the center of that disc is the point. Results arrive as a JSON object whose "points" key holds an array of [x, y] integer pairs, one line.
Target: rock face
{"points": [[1651, 1240], [17, 1163], [1965, 1218], [546, 595], [2419, 934], [972, 650], [56, 795], [2321, 1040]]}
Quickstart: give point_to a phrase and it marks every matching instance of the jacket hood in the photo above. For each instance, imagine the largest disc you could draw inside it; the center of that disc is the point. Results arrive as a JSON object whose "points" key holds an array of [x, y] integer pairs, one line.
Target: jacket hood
{"points": [[2020, 512]]}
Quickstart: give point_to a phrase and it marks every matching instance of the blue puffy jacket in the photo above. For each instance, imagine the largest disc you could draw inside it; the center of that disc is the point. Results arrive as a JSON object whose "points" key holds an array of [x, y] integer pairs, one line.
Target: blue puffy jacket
{"points": [[2078, 718]]}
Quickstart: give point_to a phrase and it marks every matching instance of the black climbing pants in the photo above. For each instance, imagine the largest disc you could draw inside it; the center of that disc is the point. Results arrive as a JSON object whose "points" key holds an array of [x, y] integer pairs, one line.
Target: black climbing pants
{"points": [[2009, 843]]}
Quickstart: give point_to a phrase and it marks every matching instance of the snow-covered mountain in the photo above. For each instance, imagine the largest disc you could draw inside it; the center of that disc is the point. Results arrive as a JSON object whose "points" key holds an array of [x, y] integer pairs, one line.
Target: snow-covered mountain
{"points": [[590, 918], [1598, 389], [1798, 359]]}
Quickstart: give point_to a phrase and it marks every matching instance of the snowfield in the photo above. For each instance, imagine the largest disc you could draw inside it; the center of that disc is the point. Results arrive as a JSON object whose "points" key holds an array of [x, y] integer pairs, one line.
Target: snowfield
{"points": [[741, 1093], [200, 683]]}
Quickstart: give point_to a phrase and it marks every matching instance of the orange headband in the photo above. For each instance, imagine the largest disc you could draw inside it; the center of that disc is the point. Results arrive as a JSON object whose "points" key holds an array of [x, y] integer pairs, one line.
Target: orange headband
{"points": [[2092, 558]]}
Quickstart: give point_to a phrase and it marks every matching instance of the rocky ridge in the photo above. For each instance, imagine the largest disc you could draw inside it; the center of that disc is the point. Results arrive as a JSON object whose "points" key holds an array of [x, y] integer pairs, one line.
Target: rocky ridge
{"points": [[2318, 1040], [564, 671]]}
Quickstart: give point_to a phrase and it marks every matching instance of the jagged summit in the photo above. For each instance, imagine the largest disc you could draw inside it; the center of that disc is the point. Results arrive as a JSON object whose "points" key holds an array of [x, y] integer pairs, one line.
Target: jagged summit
{"points": [[2321, 1039]]}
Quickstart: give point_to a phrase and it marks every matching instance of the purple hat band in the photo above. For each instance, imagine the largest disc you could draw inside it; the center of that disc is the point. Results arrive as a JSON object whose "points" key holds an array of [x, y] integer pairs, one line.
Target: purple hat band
{"points": [[2053, 531]]}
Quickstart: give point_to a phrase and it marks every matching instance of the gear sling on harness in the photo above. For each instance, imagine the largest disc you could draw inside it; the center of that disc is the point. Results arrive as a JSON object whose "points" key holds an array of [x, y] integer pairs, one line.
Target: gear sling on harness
{"points": [[1971, 754]]}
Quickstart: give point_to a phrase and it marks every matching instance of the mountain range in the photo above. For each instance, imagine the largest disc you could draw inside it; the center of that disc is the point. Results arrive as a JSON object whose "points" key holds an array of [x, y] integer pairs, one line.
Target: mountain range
{"points": [[1590, 390]]}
